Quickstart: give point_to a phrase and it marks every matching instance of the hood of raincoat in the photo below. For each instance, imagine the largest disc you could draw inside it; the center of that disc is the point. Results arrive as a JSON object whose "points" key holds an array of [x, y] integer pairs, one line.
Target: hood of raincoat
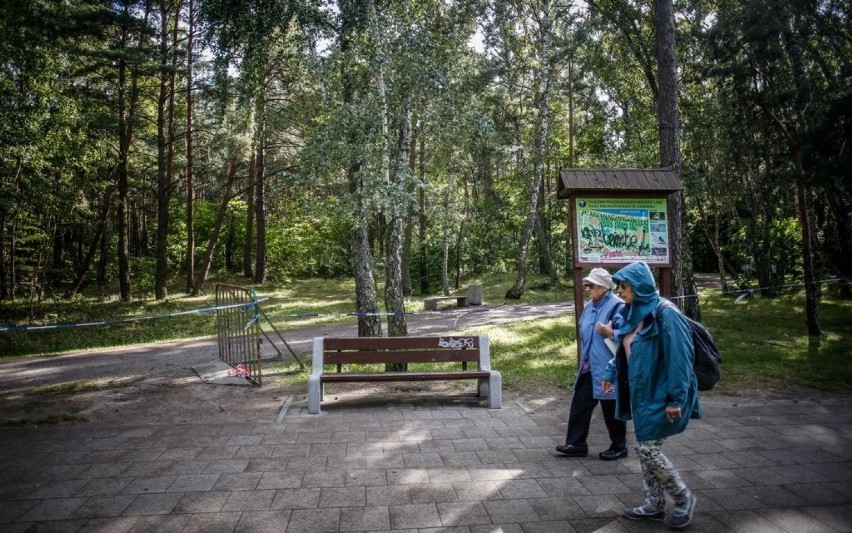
{"points": [[646, 297]]}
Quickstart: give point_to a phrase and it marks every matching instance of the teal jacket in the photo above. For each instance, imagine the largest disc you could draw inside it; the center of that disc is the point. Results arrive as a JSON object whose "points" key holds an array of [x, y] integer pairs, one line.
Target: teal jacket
{"points": [[659, 373]]}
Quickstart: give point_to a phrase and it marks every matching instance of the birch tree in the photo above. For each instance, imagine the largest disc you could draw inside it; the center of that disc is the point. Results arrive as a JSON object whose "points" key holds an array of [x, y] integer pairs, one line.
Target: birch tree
{"points": [[541, 14]]}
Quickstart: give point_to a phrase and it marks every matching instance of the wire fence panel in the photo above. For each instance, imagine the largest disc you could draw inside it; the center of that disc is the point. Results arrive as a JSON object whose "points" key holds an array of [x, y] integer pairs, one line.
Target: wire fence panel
{"points": [[238, 329]]}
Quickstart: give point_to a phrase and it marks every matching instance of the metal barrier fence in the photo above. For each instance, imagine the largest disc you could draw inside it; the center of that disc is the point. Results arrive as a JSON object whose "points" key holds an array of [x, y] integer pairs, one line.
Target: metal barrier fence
{"points": [[238, 328]]}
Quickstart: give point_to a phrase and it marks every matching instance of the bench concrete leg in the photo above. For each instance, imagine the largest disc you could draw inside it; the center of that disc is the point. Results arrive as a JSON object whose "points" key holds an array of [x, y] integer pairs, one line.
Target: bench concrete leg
{"points": [[495, 390], [491, 388], [314, 394]]}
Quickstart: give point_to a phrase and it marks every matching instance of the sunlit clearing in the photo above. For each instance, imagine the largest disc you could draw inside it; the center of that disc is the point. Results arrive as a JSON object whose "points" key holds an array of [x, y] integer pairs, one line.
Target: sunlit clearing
{"points": [[505, 337]]}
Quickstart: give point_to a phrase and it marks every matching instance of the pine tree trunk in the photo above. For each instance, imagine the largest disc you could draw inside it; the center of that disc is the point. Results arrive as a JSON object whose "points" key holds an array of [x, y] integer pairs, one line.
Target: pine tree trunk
{"points": [[163, 172], [811, 287], [260, 198], [13, 259], [839, 205], [670, 156], [570, 113], [190, 154], [248, 248], [127, 106], [803, 100], [103, 257], [121, 213], [4, 291]]}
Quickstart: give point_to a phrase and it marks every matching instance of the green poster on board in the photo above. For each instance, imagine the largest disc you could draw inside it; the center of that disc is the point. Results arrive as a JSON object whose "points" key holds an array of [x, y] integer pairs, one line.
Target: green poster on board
{"points": [[622, 230]]}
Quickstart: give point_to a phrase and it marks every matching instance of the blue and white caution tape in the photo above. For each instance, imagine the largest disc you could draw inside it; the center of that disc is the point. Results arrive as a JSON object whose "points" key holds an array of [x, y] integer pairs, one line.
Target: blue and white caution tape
{"points": [[15, 329], [751, 290], [247, 306]]}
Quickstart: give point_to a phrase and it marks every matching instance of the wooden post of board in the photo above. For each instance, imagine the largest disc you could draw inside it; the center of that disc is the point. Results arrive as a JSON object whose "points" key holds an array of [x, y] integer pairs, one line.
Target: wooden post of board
{"points": [[666, 282], [579, 303]]}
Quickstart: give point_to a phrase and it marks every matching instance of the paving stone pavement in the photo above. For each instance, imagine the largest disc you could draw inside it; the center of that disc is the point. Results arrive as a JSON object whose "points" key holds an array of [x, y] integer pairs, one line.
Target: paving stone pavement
{"points": [[424, 463]]}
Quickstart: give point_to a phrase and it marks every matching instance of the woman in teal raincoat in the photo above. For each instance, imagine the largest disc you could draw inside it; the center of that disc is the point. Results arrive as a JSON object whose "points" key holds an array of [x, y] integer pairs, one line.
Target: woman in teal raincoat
{"points": [[657, 389]]}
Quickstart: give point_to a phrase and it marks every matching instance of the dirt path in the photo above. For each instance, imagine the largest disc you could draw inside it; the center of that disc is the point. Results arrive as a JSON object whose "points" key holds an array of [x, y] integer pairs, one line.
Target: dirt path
{"points": [[156, 383], [167, 358]]}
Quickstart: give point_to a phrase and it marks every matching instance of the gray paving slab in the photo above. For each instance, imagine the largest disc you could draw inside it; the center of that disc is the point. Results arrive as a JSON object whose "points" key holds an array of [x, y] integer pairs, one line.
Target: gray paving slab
{"points": [[424, 463]]}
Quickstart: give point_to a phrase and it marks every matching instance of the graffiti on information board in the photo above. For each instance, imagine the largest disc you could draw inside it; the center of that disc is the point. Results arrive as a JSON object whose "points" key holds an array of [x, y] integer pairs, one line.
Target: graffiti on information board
{"points": [[622, 230]]}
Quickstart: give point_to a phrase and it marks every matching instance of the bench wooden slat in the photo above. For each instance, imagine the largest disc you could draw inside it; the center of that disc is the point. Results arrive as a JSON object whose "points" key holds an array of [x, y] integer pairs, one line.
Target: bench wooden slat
{"points": [[403, 376], [409, 356], [375, 350], [402, 343]]}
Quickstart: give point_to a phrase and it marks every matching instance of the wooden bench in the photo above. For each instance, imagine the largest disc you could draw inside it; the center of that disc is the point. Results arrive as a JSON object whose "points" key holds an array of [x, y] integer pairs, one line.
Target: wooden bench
{"points": [[383, 350], [431, 303]]}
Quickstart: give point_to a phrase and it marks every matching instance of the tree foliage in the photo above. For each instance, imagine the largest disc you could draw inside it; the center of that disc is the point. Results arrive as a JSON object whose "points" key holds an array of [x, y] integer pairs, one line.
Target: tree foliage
{"points": [[393, 139]]}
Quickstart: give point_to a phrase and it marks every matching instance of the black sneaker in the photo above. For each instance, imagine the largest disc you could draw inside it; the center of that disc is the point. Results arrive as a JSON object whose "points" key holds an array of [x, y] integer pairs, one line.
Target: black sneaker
{"points": [[640, 513], [682, 519]]}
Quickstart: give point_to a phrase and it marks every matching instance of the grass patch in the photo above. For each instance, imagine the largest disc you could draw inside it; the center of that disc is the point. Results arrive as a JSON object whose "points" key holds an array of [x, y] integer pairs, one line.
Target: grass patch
{"points": [[61, 418], [48, 404], [63, 389], [535, 352], [764, 344]]}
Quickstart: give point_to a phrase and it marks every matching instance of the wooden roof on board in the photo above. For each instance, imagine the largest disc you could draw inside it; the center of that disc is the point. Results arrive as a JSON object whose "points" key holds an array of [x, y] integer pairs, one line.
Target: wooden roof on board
{"points": [[617, 179]]}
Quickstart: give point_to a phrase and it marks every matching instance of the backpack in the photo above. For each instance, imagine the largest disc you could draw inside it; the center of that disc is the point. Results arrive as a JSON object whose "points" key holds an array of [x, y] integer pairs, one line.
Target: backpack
{"points": [[707, 363]]}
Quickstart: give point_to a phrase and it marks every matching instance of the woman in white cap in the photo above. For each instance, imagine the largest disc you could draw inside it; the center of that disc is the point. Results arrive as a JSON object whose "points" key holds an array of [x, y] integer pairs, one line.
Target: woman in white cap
{"points": [[601, 316]]}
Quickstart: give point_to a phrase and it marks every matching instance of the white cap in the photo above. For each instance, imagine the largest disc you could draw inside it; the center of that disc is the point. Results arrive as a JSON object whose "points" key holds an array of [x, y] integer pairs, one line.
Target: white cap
{"points": [[599, 276]]}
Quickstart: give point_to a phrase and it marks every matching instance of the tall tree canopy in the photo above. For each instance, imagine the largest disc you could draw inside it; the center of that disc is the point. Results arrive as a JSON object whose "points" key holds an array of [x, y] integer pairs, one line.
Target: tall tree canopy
{"points": [[391, 139]]}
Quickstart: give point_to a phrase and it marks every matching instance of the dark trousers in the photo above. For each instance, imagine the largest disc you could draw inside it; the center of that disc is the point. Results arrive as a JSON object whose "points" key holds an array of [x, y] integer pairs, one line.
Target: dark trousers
{"points": [[580, 417]]}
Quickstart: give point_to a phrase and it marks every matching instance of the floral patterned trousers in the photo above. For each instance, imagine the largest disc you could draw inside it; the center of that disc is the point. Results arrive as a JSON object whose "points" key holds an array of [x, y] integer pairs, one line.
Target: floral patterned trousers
{"points": [[659, 476]]}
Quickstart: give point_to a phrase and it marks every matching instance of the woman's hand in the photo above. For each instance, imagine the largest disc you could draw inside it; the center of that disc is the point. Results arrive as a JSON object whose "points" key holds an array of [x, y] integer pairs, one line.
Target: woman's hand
{"points": [[604, 329], [673, 413], [606, 387]]}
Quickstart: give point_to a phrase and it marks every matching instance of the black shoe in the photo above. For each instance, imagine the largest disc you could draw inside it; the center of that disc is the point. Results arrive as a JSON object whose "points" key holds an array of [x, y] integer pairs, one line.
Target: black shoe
{"points": [[612, 455], [572, 451]]}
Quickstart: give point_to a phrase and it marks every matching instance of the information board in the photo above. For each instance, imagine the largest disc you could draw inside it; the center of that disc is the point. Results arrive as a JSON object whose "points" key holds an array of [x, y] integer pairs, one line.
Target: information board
{"points": [[622, 230]]}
